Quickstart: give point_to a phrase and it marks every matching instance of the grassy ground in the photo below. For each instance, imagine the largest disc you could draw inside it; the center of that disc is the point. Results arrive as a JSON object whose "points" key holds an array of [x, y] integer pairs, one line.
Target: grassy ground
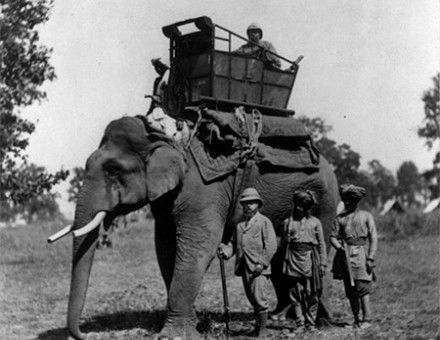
{"points": [[126, 297]]}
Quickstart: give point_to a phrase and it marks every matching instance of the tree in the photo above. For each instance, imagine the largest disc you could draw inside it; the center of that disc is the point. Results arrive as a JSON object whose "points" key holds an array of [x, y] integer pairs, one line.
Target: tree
{"points": [[430, 131], [384, 183], [347, 164], [431, 179], [378, 180], [345, 161], [42, 206], [75, 183], [317, 127], [329, 149], [408, 181], [24, 68], [365, 179]]}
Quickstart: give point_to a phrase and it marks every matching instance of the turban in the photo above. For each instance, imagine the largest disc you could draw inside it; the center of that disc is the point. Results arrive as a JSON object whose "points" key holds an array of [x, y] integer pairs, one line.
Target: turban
{"points": [[306, 198], [351, 192]]}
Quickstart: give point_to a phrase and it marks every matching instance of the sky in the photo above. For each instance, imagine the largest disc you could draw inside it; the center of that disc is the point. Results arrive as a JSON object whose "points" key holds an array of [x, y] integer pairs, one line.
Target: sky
{"points": [[366, 65]]}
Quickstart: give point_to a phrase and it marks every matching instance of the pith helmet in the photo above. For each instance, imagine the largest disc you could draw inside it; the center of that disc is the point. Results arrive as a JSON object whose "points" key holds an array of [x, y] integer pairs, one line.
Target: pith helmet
{"points": [[256, 27], [250, 194]]}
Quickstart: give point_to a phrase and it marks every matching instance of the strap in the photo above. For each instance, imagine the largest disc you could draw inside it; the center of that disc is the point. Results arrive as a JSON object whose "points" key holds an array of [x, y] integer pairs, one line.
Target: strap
{"points": [[196, 126], [244, 177], [301, 246], [238, 181], [360, 241], [255, 128]]}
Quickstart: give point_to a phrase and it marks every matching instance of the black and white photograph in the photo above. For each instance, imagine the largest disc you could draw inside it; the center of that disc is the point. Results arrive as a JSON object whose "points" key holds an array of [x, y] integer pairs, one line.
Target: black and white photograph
{"points": [[218, 169]]}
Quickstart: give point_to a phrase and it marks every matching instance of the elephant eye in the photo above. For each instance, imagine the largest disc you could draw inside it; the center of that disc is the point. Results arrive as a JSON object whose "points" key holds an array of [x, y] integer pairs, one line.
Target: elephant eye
{"points": [[112, 169]]}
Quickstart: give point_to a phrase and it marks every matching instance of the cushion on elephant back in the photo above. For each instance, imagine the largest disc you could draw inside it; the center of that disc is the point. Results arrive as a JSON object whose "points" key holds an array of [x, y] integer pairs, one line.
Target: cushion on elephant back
{"points": [[304, 157], [213, 166], [223, 143], [274, 128], [283, 142]]}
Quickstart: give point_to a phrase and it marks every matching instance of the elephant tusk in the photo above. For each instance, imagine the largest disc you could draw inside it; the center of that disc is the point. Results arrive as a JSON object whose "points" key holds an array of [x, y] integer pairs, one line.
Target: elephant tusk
{"points": [[59, 234], [92, 225]]}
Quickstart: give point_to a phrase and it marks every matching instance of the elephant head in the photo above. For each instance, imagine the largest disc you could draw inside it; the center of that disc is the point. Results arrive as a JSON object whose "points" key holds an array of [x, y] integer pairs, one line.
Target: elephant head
{"points": [[127, 171]]}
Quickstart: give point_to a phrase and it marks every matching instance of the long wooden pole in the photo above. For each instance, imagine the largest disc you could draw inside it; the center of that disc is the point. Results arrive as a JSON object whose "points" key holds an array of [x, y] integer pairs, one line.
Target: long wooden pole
{"points": [[225, 295], [256, 44]]}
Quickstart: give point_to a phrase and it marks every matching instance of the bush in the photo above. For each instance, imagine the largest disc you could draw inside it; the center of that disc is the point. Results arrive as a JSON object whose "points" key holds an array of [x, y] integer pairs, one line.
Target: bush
{"points": [[413, 222], [432, 223]]}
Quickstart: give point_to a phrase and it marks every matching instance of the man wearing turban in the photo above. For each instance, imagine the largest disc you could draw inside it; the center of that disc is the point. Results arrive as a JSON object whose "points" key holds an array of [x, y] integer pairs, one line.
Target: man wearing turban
{"points": [[354, 236], [305, 257]]}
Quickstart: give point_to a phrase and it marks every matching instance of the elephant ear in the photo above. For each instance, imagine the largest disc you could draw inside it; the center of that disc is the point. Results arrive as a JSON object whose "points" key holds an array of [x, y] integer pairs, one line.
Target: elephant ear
{"points": [[165, 171]]}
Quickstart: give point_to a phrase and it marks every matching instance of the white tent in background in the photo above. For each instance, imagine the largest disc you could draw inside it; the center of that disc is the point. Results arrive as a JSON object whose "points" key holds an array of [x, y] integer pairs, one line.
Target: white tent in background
{"points": [[432, 205], [392, 205]]}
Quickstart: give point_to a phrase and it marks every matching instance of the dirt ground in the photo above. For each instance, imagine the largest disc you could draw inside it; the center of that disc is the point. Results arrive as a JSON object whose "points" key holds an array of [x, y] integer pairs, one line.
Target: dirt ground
{"points": [[126, 297]]}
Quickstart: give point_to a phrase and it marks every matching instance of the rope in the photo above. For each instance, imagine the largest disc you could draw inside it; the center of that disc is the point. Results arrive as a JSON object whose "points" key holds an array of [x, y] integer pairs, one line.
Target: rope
{"points": [[195, 128], [255, 127]]}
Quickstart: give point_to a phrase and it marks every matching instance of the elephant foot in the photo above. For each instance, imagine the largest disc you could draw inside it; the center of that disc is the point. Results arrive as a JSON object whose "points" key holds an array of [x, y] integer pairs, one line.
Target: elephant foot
{"points": [[179, 329], [322, 322], [74, 334], [84, 337]]}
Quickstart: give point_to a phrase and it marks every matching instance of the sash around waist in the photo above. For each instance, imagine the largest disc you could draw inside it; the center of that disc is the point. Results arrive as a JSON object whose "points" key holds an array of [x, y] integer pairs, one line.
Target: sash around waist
{"points": [[360, 241], [301, 246]]}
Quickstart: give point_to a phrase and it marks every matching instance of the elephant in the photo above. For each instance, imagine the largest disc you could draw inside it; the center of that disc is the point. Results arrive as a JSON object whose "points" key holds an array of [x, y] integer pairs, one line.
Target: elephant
{"points": [[134, 166]]}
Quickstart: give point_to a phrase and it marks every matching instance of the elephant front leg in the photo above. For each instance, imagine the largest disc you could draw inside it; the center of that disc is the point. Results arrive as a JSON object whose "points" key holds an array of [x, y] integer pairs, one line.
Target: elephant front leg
{"points": [[194, 252]]}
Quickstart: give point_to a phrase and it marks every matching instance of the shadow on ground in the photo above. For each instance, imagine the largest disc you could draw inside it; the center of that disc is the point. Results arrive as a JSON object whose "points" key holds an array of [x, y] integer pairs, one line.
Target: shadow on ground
{"points": [[151, 321]]}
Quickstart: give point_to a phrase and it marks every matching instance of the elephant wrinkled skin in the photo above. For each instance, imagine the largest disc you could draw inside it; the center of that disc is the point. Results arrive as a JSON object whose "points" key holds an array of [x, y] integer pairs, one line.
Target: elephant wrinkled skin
{"points": [[133, 167]]}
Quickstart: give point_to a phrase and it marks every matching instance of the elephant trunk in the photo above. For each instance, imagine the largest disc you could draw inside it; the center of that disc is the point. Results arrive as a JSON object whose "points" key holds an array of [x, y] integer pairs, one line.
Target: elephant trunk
{"points": [[83, 251], [84, 248]]}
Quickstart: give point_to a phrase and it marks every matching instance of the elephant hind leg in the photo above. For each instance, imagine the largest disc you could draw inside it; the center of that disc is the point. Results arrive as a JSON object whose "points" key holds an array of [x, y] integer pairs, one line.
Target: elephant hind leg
{"points": [[165, 241], [279, 284]]}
